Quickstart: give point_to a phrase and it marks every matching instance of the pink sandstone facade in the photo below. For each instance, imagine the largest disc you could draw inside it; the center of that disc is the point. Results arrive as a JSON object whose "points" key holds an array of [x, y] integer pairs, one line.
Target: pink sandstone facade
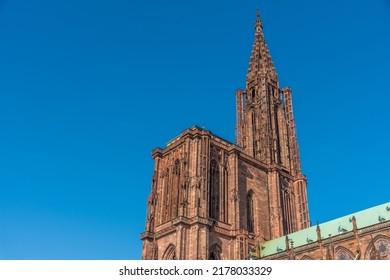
{"points": [[212, 199]]}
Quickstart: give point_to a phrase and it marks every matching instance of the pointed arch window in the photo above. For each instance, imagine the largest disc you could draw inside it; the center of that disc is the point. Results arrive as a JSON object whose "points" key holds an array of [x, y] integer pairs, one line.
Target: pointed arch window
{"points": [[215, 252], [175, 189], [254, 143], [170, 253], [214, 190], [166, 197], [250, 212], [343, 254], [379, 248]]}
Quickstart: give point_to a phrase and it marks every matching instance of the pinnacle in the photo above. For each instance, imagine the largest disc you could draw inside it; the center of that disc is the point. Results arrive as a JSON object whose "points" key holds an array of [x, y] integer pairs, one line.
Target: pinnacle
{"points": [[258, 24]]}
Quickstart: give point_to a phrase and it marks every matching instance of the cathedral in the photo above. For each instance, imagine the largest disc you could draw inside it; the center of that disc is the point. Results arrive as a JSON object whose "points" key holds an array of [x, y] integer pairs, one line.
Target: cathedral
{"points": [[216, 200]]}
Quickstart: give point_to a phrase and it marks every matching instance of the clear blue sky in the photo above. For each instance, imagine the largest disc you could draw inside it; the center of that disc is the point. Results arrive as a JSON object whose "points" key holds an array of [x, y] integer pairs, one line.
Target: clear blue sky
{"points": [[88, 88]]}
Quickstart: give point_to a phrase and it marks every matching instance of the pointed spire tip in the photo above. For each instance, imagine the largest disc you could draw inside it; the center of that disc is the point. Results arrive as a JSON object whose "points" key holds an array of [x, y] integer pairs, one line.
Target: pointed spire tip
{"points": [[258, 25]]}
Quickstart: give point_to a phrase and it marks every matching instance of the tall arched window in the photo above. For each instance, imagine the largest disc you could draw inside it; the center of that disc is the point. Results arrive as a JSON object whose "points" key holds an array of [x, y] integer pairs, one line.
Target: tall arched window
{"points": [[254, 143], [214, 190], [166, 199], [250, 212], [175, 189]]}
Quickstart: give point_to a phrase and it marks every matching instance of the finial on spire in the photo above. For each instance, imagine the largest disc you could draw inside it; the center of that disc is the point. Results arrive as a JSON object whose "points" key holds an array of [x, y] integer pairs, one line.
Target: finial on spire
{"points": [[258, 25]]}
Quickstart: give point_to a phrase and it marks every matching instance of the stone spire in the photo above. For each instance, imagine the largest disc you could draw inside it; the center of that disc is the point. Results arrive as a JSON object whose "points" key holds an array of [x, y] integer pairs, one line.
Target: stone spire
{"points": [[256, 128], [258, 25], [265, 131], [260, 61]]}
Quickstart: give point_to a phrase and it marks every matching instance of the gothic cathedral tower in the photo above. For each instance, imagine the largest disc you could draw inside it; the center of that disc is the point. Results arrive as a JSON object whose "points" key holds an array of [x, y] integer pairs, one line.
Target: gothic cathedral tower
{"points": [[212, 199]]}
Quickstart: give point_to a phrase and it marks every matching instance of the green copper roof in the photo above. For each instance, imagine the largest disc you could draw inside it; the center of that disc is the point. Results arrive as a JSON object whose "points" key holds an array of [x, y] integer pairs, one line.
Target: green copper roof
{"points": [[332, 228]]}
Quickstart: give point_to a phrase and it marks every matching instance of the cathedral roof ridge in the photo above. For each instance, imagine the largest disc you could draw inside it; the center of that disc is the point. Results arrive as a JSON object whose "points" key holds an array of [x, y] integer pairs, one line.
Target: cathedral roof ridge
{"points": [[201, 130]]}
